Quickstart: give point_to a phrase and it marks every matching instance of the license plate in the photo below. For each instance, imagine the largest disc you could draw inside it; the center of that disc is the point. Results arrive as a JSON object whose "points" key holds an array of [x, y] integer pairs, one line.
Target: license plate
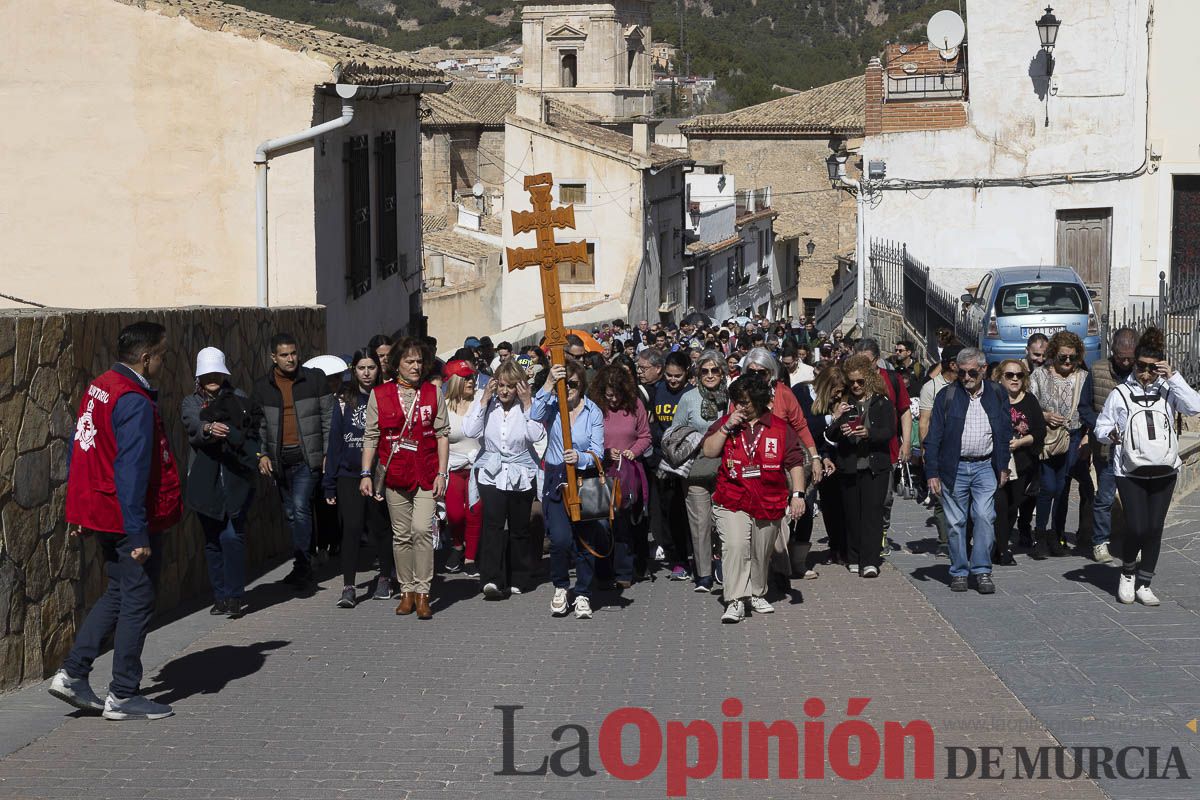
{"points": [[1048, 330]]}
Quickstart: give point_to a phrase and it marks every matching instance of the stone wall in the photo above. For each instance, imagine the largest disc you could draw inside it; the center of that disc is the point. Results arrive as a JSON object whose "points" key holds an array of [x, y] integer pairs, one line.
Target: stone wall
{"points": [[48, 579]]}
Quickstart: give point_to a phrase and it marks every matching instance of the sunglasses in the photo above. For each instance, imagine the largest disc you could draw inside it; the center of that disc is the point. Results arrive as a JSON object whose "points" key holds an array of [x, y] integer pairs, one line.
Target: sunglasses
{"points": [[572, 384], [858, 381], [1010, 376], [1065, 358], [758, 370], [971, 373], [710, 371], [1145, 366]]}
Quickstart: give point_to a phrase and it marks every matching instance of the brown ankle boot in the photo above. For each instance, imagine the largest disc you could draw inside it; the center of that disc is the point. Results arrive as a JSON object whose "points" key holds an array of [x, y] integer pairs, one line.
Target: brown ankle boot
{"points": [[423, 609], [408, 603]]}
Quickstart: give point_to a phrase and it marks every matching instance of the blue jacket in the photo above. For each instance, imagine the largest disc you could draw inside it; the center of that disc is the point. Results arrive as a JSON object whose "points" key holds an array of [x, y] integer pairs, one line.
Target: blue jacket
{"points": [[343, 458], [942, 445]]}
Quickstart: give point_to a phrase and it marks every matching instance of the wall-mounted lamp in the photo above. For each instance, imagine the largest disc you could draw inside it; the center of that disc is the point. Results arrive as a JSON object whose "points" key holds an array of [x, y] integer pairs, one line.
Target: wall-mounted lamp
{"points": [[836, 163], [1048, 27], [810, 247]]}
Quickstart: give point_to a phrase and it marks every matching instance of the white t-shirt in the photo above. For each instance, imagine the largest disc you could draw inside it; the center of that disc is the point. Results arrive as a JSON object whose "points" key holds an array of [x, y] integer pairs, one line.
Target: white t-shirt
{"points": [[930, 390], [803, 373]]}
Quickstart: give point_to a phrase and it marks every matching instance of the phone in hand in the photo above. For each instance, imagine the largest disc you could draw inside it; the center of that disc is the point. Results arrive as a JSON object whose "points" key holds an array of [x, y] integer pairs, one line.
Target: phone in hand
{"points": [[854, 419]]}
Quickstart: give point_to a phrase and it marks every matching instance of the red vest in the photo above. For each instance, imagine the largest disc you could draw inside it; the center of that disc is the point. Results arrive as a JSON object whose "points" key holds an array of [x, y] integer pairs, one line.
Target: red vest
{"points": [[408, 470], [91, 488], [763, 497]]}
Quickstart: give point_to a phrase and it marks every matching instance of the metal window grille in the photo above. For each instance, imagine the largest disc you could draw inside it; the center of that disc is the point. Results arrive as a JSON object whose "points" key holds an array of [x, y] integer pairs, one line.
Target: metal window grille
{"points": [[387, 234], [357, 172]]}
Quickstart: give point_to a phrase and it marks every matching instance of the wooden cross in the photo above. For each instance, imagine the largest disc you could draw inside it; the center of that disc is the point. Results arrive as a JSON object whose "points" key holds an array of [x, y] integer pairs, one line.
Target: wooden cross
{"points": [[547, 256]]}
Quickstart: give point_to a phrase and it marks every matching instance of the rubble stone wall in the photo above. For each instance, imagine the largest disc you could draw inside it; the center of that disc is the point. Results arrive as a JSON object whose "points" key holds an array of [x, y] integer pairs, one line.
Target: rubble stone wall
{"points": [[47, 579]]}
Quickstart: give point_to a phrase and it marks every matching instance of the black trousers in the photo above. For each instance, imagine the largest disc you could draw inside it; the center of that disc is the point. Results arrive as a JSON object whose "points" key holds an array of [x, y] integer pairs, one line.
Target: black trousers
{"points": [[354, 512], [829, 490], [504, 548], [1010, 502], [863, 495], [1145, 501], [668, 517]]}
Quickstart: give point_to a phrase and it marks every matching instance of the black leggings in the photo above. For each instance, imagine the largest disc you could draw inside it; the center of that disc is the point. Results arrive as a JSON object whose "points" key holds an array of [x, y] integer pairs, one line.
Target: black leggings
{"points": [[1145, 501], [355, 511], [1010, 500], [504, 556]]}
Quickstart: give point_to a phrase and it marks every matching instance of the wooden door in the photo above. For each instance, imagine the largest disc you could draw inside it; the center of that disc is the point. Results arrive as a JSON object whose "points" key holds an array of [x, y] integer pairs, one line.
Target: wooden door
{"points": [[1085, 244], [1185, 228]]}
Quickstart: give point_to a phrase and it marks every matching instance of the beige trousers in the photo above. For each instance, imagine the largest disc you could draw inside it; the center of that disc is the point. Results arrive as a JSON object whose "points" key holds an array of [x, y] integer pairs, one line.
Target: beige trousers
{"points": [[746, 546], [411, 514], [700, 518]]}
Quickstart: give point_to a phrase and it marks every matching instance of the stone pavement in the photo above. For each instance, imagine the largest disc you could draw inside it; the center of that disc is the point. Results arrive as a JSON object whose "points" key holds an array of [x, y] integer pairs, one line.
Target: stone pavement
{"points": [[1093, 671], [303, 700]]}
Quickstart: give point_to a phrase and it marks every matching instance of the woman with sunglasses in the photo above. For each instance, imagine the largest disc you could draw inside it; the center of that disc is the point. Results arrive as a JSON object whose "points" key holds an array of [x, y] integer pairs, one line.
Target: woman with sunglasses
{"points": [[1064, 390], [759, 455], [1155, 392], [463, 517], [697, 411], [862, 430], [587, 440], [1029, 429], [826, 395]]}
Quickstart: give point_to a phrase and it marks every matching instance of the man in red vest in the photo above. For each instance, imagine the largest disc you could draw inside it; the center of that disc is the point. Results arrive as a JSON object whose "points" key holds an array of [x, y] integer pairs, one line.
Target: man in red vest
{"points": [[123, 488]]}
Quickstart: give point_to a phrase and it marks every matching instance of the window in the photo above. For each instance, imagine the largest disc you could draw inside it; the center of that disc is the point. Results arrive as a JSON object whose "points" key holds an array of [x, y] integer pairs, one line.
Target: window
{"points": [[733, 274], [386, 237], [569, 70], [357, 186], [1022, 299], [762, 253], [1185, 228], [572, 193], [740, 258], [578, 273], [631, 67]]}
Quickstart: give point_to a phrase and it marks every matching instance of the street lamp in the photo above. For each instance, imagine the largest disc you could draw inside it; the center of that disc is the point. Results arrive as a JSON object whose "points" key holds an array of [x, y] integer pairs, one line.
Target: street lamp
{"points": [[1048, 32], [810, 247], [836, 164]]}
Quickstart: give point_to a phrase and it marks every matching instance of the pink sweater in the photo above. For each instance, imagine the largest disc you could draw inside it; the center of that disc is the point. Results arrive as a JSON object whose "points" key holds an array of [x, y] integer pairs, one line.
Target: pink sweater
{"points": [[625, 431]]}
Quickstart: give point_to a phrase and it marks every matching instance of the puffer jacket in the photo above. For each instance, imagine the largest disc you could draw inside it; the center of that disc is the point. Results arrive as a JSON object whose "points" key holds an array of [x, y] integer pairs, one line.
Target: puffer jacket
{"points": [[221, 472], [314, 412]]}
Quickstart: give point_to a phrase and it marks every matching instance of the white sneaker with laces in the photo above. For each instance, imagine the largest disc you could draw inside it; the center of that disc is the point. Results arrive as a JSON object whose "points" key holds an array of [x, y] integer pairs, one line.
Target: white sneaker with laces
{"points": [[558, 604], [77, 692], [870, 571], [583, 608], [659, 554], [761, 606], [1146, 596], [1100, 553], [136, 707], [1125, 593], [734, 612]]}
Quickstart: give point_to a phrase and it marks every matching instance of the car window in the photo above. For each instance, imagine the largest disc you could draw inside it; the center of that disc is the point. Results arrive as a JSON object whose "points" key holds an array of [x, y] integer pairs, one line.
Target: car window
{"points": [[1019, 299], [984, 289]]}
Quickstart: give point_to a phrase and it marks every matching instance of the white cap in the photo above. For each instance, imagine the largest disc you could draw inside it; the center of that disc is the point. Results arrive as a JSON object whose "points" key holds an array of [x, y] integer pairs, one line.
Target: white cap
{"points": [[330, 365], [210, 360]]}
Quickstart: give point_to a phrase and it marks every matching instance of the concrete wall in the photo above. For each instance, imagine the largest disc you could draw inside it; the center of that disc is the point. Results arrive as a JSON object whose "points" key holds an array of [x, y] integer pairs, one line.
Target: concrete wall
{"points": [[47, 579], [385, 307], [1097, 111], [457, 312], [130, 182]]}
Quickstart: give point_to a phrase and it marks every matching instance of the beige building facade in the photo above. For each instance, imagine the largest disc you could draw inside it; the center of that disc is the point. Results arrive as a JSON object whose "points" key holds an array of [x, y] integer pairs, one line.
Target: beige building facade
{"points": [[139, 190]]}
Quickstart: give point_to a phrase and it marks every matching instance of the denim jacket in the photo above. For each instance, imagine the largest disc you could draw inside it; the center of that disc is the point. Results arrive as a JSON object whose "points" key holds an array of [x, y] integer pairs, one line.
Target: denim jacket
{"points": [[942, 445]]}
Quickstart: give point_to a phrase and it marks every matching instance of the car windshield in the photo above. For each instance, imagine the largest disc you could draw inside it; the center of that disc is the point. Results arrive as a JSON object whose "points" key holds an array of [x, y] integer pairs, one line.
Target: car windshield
{"points": [[1019, 299]]}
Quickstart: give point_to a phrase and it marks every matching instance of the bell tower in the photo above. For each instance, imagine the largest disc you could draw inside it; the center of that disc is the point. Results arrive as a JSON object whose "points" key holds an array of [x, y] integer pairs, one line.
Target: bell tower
{"points": [[595, 55]]}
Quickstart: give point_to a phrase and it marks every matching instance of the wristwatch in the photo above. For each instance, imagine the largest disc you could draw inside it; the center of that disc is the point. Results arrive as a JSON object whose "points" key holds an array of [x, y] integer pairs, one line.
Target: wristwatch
{"points": [[797, 494], [445, 475], [366, 473]]}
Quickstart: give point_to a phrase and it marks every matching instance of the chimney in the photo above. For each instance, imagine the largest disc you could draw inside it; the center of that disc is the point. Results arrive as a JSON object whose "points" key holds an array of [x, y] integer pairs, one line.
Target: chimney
{"points": [[435, 271], [874, 97], [641, 138]]}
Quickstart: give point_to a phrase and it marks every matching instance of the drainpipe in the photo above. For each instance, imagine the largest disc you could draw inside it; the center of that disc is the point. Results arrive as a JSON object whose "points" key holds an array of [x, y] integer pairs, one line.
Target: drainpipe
{"points": [[860, 302], [263, 154]]}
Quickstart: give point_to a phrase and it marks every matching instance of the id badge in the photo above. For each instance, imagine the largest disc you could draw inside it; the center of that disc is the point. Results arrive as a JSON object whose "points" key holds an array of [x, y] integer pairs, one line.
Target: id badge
{"points": [[408, 444], [751, 472]]}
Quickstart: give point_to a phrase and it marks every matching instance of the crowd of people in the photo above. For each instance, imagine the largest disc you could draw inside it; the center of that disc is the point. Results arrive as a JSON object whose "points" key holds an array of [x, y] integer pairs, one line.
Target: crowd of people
{"points": [[727, 441]]}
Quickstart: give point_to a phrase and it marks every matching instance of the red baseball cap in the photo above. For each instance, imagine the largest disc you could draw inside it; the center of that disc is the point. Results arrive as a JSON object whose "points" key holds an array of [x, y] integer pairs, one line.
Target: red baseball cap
{"points": [[458, 367]]}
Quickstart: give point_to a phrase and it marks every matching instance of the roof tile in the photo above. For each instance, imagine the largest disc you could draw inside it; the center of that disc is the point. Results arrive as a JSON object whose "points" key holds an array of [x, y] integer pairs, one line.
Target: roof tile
{"points": [[834, 108]]}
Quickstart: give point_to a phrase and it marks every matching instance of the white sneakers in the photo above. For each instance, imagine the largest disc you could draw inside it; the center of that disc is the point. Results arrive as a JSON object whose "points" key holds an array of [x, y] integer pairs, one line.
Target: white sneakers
{"points": [[735, 612], [136, 707], [1146, 596], [583, 608], [558, 604], [853, 569], [1100, 553], [870, 571], [75, 691], [1125, 593], [761, 606]]}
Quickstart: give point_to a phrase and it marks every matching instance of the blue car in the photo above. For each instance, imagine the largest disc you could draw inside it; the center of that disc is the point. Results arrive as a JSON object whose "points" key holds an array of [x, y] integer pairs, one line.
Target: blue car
{"points": [[1013, 303]]}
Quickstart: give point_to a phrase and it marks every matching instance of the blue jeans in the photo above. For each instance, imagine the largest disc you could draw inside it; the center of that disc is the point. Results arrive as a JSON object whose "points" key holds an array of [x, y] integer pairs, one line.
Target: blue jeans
{"points": [[1054, 480], [124, 610], [225, 552], [563, 546], [296, 484], [1106, 493], [974, 493]]}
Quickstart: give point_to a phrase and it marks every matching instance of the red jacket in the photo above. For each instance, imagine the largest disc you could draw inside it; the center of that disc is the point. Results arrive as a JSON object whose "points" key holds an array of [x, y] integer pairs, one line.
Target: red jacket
{"points": [[787, 408], [408, 470], [92, 497], [766, 495]]}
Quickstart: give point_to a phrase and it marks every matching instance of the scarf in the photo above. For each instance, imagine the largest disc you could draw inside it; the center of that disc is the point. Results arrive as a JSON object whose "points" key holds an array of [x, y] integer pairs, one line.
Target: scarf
{"points": [[713, 402]]}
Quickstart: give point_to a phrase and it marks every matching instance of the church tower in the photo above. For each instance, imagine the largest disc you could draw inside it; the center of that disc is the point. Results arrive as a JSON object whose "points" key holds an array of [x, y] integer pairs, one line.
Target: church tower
{"points": [[595, 55]]}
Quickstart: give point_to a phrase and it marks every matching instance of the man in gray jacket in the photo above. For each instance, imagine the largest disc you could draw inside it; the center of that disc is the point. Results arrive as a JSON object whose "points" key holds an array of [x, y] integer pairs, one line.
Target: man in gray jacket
{"points": [[297, 408]]}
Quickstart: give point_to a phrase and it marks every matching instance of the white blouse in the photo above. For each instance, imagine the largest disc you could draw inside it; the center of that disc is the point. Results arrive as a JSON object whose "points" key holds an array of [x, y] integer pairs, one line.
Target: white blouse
{"points": [[508, 460]]}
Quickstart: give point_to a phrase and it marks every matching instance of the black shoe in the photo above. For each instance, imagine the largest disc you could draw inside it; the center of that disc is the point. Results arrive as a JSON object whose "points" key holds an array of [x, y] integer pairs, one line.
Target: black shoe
{"points": [[218, 608], [1025, 539], [984, 585], [454, 560], [1057, 549], [235, 607], [347, 599], [1039, 551], [1005, 558], [958, 584], [299, 576]]}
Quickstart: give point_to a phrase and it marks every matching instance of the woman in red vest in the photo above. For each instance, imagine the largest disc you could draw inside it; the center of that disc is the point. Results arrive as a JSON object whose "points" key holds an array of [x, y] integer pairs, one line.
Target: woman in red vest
{"points": [[407, 424], [761, 476]]}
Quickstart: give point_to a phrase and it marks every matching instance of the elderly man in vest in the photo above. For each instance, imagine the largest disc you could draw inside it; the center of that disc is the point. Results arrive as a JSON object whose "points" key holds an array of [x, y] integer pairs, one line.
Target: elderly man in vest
{"points": [[966, 459], [122, 488], [1106, 376]]}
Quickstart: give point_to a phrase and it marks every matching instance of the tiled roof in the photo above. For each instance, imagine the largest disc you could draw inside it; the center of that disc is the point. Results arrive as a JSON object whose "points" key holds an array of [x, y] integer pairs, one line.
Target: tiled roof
{"points": [[433, 222], [491, 224], [836, 108], [458, 245], [613, 140], [352, 60], [700, 248], [484, 103]]}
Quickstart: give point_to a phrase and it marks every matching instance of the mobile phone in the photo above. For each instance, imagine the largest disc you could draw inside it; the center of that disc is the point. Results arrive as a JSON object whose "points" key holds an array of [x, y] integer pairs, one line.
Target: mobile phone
{"points": [[854, 419]]}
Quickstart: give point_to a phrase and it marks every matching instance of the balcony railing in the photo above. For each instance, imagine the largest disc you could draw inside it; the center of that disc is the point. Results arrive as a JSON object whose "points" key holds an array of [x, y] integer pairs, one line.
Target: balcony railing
{"points": [[926, 86]]}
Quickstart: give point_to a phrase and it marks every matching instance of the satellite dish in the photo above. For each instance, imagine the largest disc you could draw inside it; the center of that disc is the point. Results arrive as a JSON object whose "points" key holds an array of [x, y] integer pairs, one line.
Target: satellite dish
{"points": [[477, 189], [946, 31]]}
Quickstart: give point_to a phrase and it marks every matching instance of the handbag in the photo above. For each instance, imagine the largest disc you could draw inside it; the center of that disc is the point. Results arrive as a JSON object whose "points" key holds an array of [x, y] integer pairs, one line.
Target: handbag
{"points": [[599, 496], [1058, 440], [379, 479]]}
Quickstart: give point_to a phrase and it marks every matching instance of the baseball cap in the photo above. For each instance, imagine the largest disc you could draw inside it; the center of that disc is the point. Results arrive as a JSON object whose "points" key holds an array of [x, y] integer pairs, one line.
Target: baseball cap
{"points": [[458, 367]]}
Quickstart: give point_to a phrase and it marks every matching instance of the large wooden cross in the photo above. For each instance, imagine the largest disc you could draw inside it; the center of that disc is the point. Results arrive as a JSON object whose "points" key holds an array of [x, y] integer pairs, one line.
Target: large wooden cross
{"points": [[547, 256]]}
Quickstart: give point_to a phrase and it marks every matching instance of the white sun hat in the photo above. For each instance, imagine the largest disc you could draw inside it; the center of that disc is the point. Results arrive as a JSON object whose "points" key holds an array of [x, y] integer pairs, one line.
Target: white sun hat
{"points": [[330, 365], [210, 360]]}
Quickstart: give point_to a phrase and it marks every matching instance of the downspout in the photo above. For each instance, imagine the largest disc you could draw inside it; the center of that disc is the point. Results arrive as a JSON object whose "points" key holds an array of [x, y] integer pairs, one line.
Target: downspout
{"points": [[860, 301], [262, 155]]}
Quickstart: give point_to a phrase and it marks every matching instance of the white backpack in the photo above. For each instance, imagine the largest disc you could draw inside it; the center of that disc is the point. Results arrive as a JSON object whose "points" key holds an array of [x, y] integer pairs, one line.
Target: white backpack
{"points": [[1149, 446]]}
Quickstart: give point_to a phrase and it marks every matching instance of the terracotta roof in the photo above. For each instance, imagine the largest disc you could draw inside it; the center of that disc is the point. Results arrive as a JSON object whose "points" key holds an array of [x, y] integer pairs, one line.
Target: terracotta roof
{"points": [[763, 213], [834, 108], [613, 140], [484, 103], [700, 248], [491, 224], [352, 60], [458, 245], [433, 222]]}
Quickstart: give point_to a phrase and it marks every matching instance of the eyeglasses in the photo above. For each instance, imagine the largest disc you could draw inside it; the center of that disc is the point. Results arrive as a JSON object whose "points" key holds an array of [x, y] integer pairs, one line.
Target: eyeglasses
{"points": [[572, 384], [1146, 366], [710, 371], [971, 373], [1065, 358], [858, 381], [1012, 376], [642, 367], [759, 370]]}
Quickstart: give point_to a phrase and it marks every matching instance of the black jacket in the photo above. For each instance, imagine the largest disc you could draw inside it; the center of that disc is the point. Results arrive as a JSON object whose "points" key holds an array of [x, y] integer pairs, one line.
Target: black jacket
{"points": [[221, 473], [881, 429], [314, 411]]}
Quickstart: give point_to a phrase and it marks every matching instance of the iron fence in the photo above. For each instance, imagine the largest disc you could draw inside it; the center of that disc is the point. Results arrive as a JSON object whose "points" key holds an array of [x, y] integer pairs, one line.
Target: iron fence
{"points": [[833, 310], [1176, 312]]}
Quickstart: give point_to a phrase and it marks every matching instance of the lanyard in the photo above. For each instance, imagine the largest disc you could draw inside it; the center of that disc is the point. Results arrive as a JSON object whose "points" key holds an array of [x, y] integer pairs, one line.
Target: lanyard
{"points": [[753, 446], [408, 415]]}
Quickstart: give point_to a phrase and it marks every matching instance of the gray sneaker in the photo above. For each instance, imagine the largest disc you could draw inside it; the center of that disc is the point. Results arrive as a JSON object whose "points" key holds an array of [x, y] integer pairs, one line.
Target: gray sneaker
{"points": [[75, 691], [136, 707]]}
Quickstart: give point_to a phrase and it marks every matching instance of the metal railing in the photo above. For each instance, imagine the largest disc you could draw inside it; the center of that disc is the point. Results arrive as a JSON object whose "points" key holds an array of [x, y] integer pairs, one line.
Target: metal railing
{"points": [[837, 305], [926, 86], [1176, 312]]}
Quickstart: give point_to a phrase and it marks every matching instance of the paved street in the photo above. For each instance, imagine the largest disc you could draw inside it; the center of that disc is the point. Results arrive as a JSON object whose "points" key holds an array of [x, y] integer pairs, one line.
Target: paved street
{"points": [[302, 700]]}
